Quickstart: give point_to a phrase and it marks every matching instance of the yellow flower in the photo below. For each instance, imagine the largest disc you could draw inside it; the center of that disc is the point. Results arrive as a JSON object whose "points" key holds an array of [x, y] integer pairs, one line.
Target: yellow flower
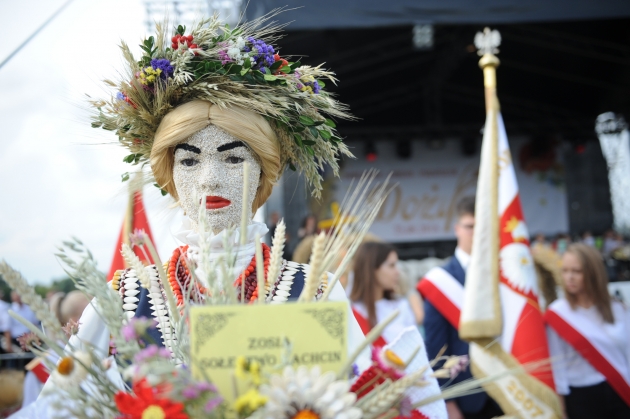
{"points": [[250, 401], [241, 367], [153, 412], [307, 79], [308, 89]]}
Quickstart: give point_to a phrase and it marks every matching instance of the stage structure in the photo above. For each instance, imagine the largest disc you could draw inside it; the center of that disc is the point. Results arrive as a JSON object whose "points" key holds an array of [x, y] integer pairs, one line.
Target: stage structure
{"points": [[614, 138]]}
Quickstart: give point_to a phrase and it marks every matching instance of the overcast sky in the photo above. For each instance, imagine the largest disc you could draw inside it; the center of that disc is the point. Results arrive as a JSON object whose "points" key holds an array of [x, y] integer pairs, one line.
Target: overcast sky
{"points": [[60, 177]]}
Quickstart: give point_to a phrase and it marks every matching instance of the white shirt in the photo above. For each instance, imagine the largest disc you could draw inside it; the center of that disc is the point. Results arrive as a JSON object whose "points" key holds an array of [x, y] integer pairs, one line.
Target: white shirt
{"points": [[384, 308], [569, 367], [5, 319], [16, 328], [462, 257]]}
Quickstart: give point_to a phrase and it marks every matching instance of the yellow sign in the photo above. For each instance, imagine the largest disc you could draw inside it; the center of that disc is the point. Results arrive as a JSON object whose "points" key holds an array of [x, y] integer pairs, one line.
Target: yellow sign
{"points": [[317, 333]]}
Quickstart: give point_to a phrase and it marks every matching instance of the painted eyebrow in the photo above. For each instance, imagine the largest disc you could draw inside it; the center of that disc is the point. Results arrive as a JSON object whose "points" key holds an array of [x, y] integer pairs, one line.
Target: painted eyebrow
{"points": [[187, 147], [230, 146]]}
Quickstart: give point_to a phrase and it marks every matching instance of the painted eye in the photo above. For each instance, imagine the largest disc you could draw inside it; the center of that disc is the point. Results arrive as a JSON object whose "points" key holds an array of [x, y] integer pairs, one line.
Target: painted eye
{"points": [[234, 160], [189, 162]]}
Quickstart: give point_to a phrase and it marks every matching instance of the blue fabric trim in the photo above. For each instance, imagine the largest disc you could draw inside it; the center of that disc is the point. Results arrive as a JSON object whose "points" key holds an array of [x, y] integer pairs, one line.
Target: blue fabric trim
{"points": [[297, 287], [144, 310]]}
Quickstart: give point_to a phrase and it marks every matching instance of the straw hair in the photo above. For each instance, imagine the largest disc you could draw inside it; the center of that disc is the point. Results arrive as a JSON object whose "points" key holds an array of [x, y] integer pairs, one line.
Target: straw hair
{"points": [[191, 117]]}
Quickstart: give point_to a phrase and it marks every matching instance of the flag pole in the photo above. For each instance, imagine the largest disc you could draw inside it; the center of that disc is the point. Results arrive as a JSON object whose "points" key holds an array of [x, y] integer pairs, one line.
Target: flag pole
{"points": [[488, 63]]}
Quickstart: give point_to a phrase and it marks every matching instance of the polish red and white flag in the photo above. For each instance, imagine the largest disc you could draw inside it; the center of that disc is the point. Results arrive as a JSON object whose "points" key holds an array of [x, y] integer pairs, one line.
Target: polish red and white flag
{"points": [[500, 313]]}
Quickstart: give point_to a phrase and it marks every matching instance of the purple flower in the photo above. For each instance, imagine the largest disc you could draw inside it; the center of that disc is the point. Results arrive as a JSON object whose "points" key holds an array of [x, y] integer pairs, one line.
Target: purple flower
{"points": [[203, 386], [355, 371], [316, 87], [129, 332], [152, 351], [190, 393], [164, 65], [263, 53], [121, 96], [212, 404]]}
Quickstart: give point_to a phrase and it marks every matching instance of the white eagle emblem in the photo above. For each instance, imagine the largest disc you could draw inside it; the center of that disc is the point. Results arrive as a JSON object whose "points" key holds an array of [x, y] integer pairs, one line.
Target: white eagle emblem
{"points": [[517, 266]]}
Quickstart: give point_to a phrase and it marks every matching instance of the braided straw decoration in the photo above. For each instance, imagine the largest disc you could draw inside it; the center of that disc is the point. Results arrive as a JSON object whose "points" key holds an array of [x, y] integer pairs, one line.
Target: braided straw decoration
{"points": [[275, 259], [388, 394], [312, 279]]}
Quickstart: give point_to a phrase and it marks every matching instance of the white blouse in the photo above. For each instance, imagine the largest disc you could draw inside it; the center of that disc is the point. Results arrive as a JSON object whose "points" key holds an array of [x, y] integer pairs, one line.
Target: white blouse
{"points": [[569, 367], [384, 308]]}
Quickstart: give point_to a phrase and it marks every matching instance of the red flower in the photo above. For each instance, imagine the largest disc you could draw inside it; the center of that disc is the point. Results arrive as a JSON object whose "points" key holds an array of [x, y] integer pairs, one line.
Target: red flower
{"points": [[147, 403]]}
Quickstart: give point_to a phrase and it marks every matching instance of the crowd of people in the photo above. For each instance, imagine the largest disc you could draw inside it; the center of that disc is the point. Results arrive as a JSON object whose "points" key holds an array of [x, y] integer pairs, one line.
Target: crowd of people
{"points": [[375, 290]]}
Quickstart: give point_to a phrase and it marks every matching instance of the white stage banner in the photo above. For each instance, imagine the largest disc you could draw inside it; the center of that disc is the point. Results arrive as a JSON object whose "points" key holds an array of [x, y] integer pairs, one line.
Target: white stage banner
{"points": [[431, 183]]}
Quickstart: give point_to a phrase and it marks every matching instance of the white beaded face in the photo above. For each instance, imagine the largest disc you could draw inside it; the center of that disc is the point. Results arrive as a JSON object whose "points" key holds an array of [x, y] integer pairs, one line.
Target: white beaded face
{"points": [[208, 167]]}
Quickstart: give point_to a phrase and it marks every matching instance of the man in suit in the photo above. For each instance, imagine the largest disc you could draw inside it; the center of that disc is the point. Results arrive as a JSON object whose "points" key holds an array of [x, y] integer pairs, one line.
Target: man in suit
{"points": [[440, 332]]}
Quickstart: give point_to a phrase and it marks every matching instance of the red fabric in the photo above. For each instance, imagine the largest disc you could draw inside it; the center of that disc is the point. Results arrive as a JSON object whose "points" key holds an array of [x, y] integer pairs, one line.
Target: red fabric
{"points": [[41, 372], [527, 347], [139, 221], [441, 302], [530, 338], [365, 328], [581, 344]]}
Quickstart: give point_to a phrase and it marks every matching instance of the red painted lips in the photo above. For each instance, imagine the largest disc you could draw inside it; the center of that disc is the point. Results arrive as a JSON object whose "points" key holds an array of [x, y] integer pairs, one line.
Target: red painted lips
{"points": [[216, 202]]}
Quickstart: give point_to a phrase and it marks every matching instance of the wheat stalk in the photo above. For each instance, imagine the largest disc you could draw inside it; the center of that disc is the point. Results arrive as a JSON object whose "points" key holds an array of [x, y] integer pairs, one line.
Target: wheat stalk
{"points": [[311, 282], [134, 263], [388, 394], [275, 259], [18, 283]]}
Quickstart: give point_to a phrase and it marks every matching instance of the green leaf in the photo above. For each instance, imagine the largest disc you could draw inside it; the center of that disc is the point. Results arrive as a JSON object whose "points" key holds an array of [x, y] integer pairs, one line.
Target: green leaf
{"points": [[269, 77], [336, 139], [181, 29], [275, 65], [247, 63], [298, 140], [321, 84], [235, 69], [295, 65], [330, 123], [162, 191], [244, 71], [310, 150], [305, 120], [286, 69], [125, 176], [325, 134], [309, 142], [313, 131], [292, 167]]}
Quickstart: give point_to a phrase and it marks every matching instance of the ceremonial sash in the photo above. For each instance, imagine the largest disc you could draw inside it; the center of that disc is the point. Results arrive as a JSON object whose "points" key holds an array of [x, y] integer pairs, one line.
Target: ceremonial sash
{"points": [[444, 292], [574, 329], [39, 369], [365, 326]]}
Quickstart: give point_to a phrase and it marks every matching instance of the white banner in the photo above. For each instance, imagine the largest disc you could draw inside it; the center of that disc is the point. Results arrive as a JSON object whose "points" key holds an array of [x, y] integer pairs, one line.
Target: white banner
{"points": [[431, 183]]}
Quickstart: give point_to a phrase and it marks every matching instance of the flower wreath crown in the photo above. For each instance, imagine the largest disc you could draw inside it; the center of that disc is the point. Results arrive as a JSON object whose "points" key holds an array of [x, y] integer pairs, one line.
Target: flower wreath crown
{"points": [[226, 67]]}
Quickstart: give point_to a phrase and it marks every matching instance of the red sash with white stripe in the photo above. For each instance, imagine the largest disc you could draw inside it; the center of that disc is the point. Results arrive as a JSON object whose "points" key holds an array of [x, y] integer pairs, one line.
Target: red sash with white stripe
{"points": [[444, 292], [597, 349], [365, 326]]}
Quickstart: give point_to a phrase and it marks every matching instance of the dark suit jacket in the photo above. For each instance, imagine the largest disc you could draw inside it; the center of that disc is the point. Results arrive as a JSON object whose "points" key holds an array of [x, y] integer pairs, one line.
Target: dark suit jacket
{"points": [[440, 332]]}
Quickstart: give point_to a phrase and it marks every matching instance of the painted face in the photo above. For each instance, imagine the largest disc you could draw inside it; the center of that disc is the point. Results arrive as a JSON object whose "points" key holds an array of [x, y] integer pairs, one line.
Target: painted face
{"points": [[387, 274], [208, 167], [572, 274]]}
